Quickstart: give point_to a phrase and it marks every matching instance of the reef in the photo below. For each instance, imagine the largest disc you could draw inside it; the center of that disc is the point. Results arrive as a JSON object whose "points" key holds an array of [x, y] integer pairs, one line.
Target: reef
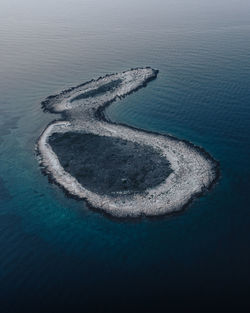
{"points": [[124, 171]]}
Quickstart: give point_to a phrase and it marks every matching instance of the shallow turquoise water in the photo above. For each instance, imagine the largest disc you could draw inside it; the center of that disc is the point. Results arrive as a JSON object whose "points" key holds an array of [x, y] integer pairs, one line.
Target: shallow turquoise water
{"points": [[55, 252]]}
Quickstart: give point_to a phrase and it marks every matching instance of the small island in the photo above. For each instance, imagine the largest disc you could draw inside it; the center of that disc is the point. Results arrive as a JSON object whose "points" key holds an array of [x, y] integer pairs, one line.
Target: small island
{"points": [[124, 171]]}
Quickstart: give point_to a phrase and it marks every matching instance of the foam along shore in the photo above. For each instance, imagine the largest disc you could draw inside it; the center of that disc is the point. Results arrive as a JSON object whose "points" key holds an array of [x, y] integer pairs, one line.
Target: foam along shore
{"points": [[193, 170]]}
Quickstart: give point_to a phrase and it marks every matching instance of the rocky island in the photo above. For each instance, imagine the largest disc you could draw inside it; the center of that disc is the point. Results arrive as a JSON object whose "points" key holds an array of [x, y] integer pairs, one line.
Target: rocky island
{"points": [[124, 171]]}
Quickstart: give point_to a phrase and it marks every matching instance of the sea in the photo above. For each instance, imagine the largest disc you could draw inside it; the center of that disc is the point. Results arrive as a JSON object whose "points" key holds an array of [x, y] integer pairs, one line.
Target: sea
{"points": [[56, 254]]}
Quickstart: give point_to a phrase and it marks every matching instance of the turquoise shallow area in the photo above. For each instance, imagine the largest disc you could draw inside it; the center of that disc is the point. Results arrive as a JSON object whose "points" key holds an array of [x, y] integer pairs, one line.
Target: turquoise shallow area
{"points": [[54, 252]]}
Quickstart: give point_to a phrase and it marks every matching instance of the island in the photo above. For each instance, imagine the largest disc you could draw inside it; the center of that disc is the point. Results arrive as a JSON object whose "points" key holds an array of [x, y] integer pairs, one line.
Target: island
{"points": [[123, 171]]}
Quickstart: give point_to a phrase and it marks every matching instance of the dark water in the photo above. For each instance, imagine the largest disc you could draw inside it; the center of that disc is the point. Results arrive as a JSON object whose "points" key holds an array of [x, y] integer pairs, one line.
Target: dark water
{"points": [[56, 254]]}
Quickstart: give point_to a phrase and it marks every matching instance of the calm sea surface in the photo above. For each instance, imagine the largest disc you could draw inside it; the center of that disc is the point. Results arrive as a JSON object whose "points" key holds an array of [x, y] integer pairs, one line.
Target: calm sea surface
{"points": [[56, 254]]}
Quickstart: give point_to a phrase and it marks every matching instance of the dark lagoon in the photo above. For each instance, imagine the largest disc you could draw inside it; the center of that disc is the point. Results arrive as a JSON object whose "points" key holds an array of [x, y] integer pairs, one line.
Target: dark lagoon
{"points": [[109, 165], [58, 255]]}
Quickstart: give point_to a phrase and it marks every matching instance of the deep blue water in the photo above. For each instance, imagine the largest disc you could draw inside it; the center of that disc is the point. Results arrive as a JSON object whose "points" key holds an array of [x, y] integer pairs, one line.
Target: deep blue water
{"points": [[56, 254]]}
